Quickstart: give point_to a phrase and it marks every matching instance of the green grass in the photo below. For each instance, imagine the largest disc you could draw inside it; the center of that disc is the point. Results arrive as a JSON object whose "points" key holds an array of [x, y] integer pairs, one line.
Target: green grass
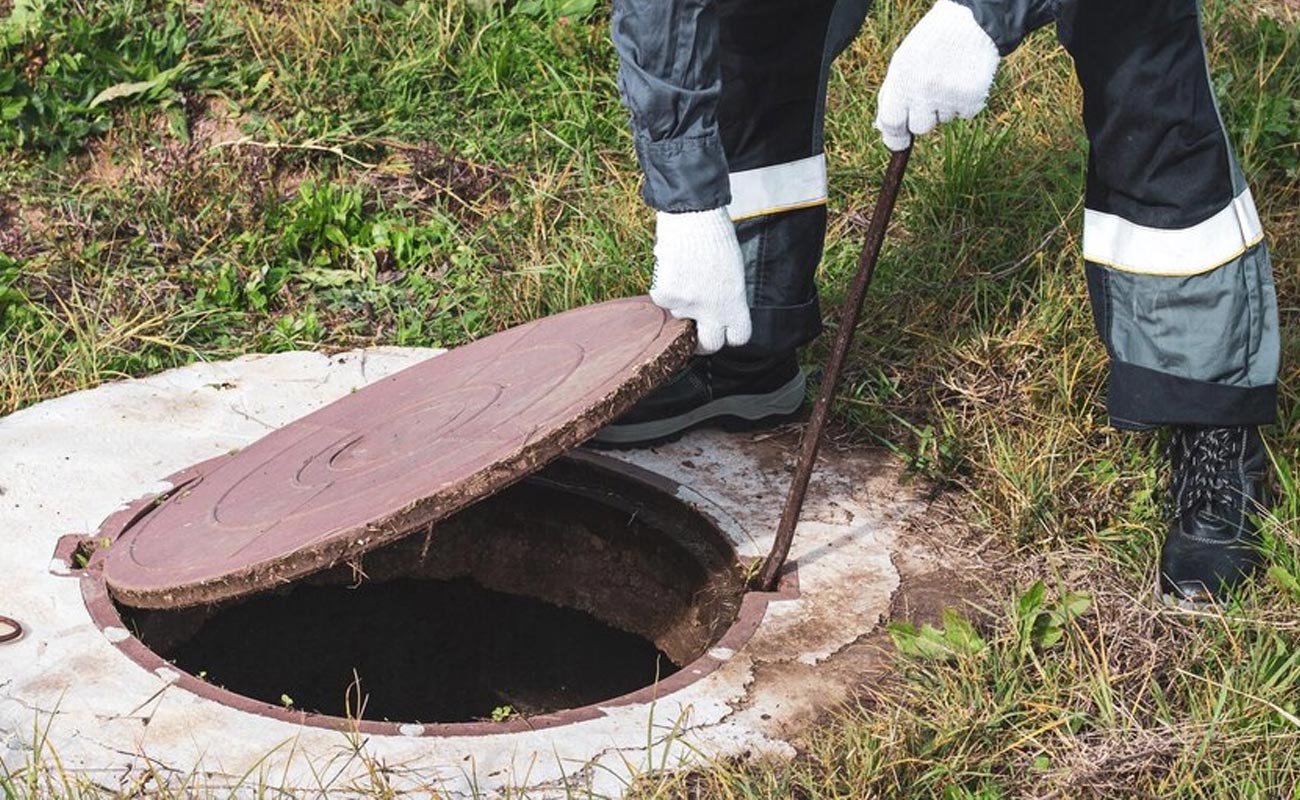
{"points": [[351, 172]]}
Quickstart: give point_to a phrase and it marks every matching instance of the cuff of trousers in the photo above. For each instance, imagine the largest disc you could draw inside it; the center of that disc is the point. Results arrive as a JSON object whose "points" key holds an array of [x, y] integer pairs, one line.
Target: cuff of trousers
{"points": [[684, 175], [780, 329], [1141, 398]]}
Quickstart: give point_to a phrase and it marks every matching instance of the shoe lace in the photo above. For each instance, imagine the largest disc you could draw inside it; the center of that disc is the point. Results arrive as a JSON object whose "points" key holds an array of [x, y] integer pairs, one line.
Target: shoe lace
{"points": [[1202, 460]]}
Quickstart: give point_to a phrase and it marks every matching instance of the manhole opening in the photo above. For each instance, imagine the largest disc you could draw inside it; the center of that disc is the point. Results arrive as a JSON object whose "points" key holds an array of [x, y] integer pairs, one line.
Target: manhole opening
{"points": [[573, 587]]}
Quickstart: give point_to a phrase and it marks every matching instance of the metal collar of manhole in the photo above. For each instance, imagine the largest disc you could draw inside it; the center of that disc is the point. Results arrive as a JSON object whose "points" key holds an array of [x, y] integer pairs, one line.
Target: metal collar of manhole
{"points": [[393, 457]]}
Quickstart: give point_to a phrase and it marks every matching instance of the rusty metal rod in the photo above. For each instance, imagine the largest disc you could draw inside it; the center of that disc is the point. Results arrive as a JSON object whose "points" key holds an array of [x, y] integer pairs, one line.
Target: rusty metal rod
{"points": [[812, 437]]}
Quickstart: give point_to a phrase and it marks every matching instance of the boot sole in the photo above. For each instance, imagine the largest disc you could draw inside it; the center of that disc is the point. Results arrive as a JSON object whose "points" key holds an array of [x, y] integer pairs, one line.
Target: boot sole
{"points": [[734, 413]]}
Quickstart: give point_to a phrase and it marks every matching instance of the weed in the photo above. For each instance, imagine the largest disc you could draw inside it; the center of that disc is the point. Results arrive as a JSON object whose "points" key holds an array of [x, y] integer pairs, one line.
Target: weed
{"points": [[502, 713], [557, 9], [65, 66]]}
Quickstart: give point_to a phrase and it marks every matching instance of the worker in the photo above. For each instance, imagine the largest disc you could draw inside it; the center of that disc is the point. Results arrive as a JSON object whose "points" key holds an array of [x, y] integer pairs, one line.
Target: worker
{"points": [[727, 99]]}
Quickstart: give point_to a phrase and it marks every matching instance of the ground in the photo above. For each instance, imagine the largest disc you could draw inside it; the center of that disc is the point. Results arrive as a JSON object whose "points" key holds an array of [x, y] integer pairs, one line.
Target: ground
{"points": [[73, 702], [193, 181]]}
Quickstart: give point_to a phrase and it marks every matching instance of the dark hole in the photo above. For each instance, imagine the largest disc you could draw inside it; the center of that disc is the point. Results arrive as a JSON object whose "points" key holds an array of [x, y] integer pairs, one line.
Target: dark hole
{"points": [[446, 651]]}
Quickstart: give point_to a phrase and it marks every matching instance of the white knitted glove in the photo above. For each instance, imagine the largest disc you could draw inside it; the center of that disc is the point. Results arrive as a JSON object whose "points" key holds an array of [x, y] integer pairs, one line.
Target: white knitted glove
{"points": [[943, 69], [700, 275]]}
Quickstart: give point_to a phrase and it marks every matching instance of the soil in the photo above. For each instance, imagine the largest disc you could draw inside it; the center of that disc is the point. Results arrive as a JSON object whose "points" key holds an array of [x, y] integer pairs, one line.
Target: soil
{"points": [[428, 174], [22, 228]]}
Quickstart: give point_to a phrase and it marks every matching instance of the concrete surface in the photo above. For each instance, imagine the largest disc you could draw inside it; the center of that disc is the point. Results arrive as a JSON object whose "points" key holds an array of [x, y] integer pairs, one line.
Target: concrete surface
{"points": [[70, 462]]}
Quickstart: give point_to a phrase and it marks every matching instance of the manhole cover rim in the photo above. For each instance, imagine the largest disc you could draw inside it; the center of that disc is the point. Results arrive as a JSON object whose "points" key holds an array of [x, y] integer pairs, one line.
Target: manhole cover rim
{"points": [[753, 608]]}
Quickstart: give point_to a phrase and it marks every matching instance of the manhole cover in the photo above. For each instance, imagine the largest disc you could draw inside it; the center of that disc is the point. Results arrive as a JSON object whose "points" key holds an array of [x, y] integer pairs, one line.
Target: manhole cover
{"points": [[395, 456]]}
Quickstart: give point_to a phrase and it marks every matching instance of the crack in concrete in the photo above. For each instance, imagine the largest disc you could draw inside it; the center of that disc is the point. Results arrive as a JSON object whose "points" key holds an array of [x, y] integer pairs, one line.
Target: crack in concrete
{"points": [[252, 418], [33, 708]]}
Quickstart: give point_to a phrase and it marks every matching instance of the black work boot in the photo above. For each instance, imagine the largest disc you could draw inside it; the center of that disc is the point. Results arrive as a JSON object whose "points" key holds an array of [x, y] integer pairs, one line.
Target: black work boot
{"points": [[718, 390], [1216, 488]]}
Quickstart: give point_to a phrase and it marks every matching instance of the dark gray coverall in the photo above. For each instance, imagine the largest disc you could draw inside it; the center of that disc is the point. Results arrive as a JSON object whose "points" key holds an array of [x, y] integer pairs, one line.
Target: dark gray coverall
{"points": [[727, 99]]}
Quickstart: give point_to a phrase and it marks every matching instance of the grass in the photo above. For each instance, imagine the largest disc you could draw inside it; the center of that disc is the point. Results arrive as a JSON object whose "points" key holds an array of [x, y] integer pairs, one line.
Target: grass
{"points": [[270, 176]]}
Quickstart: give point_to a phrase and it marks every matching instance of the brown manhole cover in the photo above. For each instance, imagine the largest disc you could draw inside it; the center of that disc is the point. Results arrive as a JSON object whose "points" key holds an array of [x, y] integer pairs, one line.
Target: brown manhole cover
{"points": [[393, 457]]}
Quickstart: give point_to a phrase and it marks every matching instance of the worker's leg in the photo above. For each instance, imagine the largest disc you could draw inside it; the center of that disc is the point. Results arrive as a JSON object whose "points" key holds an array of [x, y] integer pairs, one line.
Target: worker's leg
{"points": [[776, 56], [1182, 292]]}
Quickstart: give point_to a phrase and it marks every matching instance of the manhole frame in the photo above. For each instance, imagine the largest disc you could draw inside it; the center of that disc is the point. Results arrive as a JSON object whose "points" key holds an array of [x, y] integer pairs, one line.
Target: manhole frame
{"points": [[104, 614]]}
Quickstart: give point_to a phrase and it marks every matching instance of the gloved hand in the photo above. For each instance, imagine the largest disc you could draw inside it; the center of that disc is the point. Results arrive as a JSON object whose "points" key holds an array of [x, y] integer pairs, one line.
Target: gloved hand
{"points": [[943, 69], [700, 275]]}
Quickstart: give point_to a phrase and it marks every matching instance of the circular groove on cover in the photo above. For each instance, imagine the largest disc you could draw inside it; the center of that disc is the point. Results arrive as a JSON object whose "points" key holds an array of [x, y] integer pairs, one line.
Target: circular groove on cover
{"points": [[395, 456]]}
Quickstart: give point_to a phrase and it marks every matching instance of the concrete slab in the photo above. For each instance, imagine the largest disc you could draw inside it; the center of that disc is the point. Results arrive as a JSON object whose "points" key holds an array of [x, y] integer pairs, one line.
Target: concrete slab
{"points": [[71, 462]]}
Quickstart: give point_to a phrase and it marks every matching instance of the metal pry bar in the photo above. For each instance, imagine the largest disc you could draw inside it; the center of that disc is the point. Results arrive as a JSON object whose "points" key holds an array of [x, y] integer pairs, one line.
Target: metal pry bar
{"points": [[812, 438]]}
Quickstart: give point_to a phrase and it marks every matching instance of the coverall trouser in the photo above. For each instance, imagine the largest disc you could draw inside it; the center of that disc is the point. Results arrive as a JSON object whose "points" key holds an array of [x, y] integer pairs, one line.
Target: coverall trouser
{"points": [[1178, 273]]}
